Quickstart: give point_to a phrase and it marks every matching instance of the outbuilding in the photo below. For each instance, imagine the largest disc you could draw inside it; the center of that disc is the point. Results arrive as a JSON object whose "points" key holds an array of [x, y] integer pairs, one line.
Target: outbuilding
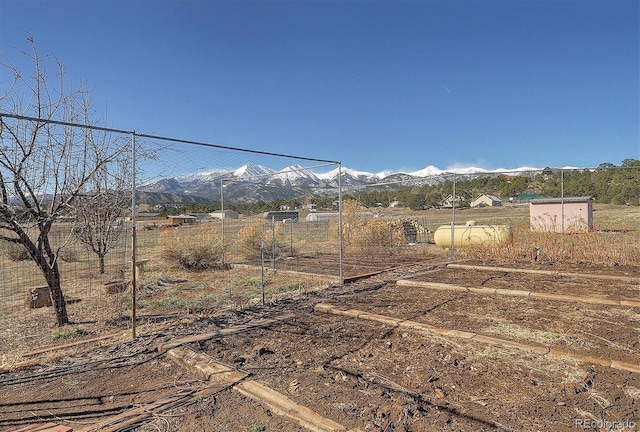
{"points": [[281, 215], [226, 214], [568, 214], [182, 219], [449, 202], [486, 200], [321, 217]]}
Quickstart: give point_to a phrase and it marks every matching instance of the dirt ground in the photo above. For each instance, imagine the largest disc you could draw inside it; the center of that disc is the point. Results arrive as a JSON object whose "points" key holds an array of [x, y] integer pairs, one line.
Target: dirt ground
{"points": [[364, 374]]}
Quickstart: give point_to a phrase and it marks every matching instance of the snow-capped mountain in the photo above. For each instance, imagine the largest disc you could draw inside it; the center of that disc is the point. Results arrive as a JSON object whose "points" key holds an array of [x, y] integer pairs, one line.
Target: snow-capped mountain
{"points": [[294, 175], [361, 175], [427, 171], [250, 171], [201, 175], [256, 182]]}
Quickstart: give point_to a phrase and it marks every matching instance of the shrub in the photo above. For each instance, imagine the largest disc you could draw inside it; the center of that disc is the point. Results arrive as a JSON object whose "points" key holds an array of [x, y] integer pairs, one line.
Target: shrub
{"points": [[69, 255], [379, 234], [363, 234], [15, 251], [253, 240], [194, 249]]}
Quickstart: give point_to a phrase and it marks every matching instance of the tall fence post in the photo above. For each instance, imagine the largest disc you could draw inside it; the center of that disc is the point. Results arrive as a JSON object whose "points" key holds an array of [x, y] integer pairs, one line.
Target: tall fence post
{"points": [[340, 244], [222, 217], [453, 215], [562, 202], [134, 251], [262, 282], [273, 243]]}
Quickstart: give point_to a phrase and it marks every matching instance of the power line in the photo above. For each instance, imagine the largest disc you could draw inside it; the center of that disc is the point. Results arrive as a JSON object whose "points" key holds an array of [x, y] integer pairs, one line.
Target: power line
{"points": [[62, 123], [163, 138], [218, 146]]}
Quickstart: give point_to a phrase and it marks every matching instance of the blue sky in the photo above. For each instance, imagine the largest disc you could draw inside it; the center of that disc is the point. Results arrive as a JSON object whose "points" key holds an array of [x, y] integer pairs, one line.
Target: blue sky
{"points": [[377, 85]]}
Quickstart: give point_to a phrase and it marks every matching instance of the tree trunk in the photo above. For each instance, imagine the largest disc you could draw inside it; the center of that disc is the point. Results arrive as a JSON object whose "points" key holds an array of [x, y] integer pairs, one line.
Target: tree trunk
{"points": [[101, 256], [52, 275], [59, 304]]}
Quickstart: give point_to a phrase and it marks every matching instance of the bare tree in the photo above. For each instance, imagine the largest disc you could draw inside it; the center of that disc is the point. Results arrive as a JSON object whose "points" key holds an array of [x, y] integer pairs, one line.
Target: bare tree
{"points": [[100, 209], [46, 162]]}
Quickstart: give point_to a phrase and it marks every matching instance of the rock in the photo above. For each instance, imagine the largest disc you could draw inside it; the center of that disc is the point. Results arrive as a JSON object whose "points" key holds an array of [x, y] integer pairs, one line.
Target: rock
{"points": [[39, 297]]}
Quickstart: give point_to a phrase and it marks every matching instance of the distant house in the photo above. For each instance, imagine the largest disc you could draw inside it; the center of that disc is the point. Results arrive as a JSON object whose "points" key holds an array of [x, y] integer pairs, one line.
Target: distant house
{"points": [[182, 219], [226, 214], [568, 214], [486, 200], [448, 201]]}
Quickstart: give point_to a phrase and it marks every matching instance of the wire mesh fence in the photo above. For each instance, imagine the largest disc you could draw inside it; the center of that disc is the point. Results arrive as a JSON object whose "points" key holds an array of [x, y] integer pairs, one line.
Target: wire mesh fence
{"points": [[218, 227]]}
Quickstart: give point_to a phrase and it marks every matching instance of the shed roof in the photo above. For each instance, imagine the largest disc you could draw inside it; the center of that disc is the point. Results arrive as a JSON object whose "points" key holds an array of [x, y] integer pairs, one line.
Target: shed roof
{"points": [[527, 196], [560, 200], [491, 197]]}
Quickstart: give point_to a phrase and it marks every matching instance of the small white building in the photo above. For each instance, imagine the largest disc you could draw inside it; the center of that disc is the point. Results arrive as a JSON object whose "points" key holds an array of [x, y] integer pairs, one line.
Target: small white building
{"points": [[486, 200], [568, 214], [226, 214], [320, 217]]}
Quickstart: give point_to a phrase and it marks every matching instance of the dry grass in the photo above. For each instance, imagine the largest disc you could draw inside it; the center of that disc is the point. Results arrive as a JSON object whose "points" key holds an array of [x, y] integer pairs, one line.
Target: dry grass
{"points": [[633, 392], [617, 243], [517, 332], [258, 240], [196, 249], [166, 294], [559, 369], [613, 242], [601, 247]]}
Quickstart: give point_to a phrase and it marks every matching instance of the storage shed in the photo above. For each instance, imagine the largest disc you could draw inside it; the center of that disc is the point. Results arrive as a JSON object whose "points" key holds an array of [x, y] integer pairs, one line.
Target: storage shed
{"points": [[182, 219], [568, 214], [227, 214], [280, 216], [486, 200], [321, 217]]}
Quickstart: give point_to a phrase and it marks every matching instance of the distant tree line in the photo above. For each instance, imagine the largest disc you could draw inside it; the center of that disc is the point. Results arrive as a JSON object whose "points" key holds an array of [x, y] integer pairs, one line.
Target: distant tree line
{"points": [[607, 184]]}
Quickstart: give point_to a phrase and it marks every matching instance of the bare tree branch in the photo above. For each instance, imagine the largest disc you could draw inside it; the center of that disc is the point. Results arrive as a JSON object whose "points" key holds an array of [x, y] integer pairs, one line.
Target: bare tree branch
{"points": [[47, 165]]}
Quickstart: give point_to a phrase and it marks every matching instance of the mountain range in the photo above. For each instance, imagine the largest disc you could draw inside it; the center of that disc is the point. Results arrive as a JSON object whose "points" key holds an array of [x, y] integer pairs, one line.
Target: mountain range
{"points": [[251, 182]]}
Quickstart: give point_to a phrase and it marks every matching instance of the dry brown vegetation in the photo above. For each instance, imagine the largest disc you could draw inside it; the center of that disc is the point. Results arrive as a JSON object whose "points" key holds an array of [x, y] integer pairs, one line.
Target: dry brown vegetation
{"points": [[198, 249], [174, 253], [614, 241], [359, 364]]}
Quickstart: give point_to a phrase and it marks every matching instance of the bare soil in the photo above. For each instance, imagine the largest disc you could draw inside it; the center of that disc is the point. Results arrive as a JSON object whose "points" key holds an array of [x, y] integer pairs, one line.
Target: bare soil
{"points": [[362, 374]]}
